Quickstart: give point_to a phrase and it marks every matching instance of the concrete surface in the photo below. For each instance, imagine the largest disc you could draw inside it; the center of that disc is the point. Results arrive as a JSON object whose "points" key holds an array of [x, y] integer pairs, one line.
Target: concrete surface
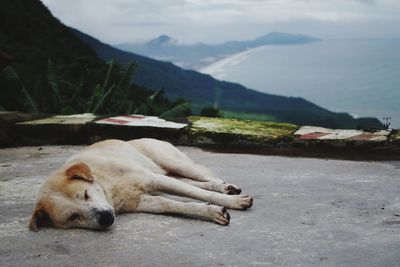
{"points": [[307, 212]]}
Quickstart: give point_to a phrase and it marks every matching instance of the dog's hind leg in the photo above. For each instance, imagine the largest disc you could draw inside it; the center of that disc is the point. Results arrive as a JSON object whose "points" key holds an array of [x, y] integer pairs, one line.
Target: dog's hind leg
{"points": [[162, 205], [170, 185], [190, 170], [176, 163], [210, 185]]}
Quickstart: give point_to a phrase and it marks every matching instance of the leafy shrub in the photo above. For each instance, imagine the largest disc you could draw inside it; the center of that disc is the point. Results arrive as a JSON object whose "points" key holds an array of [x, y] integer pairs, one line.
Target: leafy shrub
{"points": [[210, 112]]}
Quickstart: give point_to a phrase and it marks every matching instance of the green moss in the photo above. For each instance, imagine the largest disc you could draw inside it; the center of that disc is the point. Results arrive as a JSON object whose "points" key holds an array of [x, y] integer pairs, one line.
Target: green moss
{"points": [[247, 116], [235, 131]]}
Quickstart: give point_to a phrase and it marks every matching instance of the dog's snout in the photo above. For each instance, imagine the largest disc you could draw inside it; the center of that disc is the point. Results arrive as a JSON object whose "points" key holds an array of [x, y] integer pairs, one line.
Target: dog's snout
{"points": [[105, 218]]}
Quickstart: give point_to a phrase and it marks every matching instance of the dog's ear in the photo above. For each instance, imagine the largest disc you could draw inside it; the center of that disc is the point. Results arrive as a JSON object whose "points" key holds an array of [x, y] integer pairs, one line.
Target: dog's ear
{"points": [[40, 218], [79, 171]]}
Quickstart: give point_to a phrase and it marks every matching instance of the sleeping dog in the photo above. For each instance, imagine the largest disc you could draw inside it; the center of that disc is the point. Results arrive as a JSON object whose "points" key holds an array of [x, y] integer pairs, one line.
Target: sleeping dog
{"points": [[113, 177]]}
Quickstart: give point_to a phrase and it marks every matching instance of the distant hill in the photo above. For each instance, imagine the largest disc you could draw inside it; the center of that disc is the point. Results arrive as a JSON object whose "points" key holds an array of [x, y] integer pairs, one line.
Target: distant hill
{"points": [[198, 55], [204, 90]]}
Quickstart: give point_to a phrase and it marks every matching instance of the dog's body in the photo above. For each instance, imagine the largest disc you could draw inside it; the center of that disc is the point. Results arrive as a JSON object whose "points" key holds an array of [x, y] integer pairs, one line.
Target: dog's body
{"points": [[113, 176]]}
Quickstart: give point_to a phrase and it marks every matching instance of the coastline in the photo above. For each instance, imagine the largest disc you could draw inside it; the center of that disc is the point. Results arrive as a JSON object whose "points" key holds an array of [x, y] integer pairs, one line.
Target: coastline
{"points": [[217, 68], [365, 86]]}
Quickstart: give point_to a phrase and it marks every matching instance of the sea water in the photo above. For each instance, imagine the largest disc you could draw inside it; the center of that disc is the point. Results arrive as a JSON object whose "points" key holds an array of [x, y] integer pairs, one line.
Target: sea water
{"points": [[361, 77]]}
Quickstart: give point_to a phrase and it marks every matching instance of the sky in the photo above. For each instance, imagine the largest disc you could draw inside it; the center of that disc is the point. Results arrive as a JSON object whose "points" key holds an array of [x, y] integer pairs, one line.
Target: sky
{"points": [[216, 21]]}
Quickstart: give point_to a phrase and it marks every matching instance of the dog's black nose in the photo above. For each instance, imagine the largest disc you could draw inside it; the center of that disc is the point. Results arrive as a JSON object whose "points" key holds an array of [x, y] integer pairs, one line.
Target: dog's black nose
{"points": [[106, 218]]}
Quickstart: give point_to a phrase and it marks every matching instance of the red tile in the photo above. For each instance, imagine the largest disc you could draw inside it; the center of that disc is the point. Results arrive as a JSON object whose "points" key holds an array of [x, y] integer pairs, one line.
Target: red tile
{"points": [[136, 117], [116, 121], [362, 137], [312, 136]]}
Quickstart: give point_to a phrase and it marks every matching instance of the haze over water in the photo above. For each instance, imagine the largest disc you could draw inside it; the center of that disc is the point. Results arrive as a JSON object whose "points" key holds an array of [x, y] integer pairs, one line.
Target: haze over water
{"points": [[361, 77]]}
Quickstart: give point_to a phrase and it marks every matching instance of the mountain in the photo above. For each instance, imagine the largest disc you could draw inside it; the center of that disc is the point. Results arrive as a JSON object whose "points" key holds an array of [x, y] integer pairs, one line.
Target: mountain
{"points": [[161, 41], [198, 55], [34, 38], [204, 90]]}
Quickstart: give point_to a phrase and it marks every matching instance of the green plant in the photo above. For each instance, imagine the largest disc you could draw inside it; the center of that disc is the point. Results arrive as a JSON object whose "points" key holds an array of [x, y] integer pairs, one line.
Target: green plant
{"points": [[148, 106], [387, 123], [180, 110], [8, 74], [102, 94], [76, 88], [157, 105], [210, 112], [64, 92], [54, 82]]}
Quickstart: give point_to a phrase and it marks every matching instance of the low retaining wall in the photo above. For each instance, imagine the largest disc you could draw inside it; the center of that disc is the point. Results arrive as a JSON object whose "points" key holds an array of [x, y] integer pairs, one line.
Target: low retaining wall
{"points": [[228, 135]]}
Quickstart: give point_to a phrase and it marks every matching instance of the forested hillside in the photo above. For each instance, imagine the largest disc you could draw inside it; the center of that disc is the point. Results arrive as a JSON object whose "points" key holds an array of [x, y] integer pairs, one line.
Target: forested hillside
{"points": [[53, 71]]}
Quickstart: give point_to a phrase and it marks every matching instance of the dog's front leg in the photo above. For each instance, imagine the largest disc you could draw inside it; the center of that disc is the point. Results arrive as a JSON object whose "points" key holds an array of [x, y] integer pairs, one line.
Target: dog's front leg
{"points": [[170, 185], [160, 205]]}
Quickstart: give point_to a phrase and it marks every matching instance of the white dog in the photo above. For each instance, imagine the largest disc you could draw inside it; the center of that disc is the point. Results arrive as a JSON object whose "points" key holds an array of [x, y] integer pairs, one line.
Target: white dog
{"points": [[114, 176]]}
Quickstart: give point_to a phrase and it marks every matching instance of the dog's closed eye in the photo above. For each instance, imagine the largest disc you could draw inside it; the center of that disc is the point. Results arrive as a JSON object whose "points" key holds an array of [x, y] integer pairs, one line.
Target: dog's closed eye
{"points": [[84, 195], [74, 216]]}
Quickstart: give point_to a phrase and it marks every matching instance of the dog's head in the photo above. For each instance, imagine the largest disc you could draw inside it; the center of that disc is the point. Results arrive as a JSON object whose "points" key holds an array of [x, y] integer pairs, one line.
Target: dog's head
{"points": [[71, 197]]}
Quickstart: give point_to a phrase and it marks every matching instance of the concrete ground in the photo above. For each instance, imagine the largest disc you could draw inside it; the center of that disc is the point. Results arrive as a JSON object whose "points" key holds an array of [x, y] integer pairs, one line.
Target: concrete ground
{"points": [[306, 212]]}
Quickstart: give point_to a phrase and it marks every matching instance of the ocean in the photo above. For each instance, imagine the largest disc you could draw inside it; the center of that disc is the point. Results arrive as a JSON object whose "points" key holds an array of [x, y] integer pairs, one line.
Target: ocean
{"points": [[361, 77]]}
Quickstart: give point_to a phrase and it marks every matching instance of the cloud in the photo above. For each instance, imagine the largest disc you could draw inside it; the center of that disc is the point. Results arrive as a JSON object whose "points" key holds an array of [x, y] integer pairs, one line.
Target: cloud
{"points": [[118, 21], [368, 2]]}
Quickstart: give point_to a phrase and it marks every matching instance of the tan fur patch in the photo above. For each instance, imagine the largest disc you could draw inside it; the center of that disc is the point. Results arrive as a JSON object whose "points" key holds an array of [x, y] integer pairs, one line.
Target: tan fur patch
{"points": [[79, 171]]}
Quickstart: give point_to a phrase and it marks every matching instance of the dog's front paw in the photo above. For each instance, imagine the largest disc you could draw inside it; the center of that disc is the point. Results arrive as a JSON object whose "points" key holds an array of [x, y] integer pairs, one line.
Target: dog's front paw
{"points": [[230, 189], [242, 202], [219, 214]]}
